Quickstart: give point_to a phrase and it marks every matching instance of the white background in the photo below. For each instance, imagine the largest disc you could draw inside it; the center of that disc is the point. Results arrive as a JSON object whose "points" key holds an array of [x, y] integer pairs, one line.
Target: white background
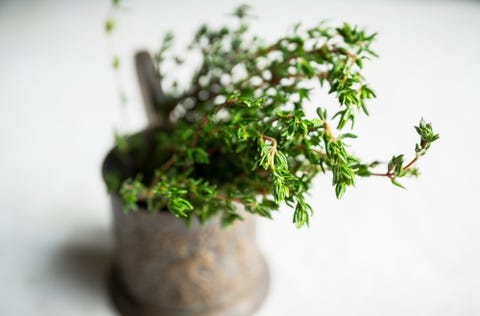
{"points": [[379, 251]]}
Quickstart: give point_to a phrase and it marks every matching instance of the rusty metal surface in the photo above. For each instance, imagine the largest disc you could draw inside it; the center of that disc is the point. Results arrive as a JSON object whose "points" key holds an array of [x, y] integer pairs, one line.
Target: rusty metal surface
{"points": [[163, 267]]}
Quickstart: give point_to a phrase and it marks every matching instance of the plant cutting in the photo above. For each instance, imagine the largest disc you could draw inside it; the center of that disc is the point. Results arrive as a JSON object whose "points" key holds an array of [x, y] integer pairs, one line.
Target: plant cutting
{"points": [[233, 142]]}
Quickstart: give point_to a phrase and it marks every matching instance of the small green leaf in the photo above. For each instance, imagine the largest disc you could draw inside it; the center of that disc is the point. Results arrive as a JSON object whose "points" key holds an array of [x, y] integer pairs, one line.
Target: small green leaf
{"points": [[395, 182], [340, 189], [110, 25], [347, 135]]}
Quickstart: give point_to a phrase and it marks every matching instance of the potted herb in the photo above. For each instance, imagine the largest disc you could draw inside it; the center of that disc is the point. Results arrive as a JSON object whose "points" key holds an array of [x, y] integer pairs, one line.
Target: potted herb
{"points": [[233, 144]]}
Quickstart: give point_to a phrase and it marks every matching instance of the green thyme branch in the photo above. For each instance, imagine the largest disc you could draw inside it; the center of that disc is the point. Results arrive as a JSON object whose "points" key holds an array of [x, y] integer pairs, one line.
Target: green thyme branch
{"points": [[390, 174], [329, 131], [396, 169], [271, 148], [109, 28], [251, 141]]}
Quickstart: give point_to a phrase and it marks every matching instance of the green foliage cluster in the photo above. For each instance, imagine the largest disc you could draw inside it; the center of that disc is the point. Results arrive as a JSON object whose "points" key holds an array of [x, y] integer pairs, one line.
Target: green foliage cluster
{"points": [[239, 132]]}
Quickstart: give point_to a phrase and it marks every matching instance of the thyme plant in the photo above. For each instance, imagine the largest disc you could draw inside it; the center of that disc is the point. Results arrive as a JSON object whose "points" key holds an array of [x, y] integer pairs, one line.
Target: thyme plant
{"points": [[239, 132]]}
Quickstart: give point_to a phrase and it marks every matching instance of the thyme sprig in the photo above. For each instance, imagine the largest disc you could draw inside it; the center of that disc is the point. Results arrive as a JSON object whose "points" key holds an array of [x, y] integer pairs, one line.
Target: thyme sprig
{"points": [[396, 166], [238, 134]]}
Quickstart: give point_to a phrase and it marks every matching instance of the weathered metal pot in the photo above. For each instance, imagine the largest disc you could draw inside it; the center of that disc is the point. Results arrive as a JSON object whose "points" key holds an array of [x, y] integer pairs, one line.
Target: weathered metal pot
{"points": [[163, 267]]}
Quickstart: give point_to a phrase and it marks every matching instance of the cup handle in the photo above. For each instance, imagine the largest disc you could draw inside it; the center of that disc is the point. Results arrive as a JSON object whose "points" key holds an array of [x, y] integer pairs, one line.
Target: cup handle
{"points": [[151, 89]]}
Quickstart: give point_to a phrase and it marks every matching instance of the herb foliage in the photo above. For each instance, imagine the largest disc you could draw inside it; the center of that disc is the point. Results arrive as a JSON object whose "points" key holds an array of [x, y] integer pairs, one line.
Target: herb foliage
{"points": [[239, 132]]}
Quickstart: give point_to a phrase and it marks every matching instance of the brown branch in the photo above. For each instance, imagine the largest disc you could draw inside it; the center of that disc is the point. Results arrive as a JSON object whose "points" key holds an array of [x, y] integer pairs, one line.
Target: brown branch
{"points": [[389, 174], [329, 131], [321, 153], [318, 151], [273, 151], [353, 58], [410, 163], [167, 165], [276, 118]]}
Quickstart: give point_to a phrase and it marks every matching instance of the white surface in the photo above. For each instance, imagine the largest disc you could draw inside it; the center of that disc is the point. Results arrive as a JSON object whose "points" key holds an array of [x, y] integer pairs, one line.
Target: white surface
{"points": [[379, 251]]}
